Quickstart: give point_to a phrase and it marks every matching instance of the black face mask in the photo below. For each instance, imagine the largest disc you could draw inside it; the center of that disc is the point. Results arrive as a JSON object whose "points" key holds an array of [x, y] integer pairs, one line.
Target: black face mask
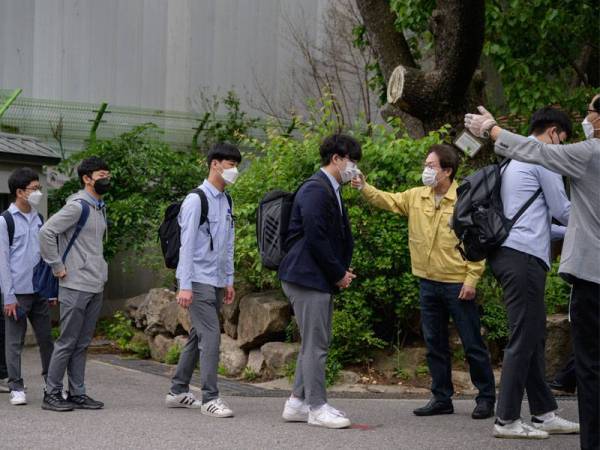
{"points": [[102, 186]]}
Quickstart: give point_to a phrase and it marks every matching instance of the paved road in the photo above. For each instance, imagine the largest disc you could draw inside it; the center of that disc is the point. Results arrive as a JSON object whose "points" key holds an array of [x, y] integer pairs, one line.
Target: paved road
{"points": [[135, 418]]}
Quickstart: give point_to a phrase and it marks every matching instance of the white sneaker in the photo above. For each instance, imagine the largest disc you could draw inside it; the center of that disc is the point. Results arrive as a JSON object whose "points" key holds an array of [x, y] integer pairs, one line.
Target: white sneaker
{"points": [[555, 425], [18, 398], [4, 386], [518, 430], [183, 400], [295, 410], [329, 417], [216, 408]]}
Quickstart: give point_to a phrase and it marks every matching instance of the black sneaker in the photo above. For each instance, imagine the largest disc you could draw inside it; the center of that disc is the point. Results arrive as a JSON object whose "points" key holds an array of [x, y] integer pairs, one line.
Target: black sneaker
{"points": [[84, 402], [55, 402], [434, 408], [483, 410], [558, 386]]}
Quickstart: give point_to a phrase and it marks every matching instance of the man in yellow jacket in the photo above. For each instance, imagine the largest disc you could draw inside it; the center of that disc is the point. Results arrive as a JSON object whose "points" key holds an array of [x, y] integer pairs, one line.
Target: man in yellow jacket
{"points": [[447, 282]]}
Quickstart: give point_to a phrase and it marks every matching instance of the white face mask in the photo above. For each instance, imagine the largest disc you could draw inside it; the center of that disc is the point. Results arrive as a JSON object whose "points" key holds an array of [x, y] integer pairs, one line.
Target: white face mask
{"points": [[349, 172], [230, 175], [588, 128], [35, 198], [429, 177]]}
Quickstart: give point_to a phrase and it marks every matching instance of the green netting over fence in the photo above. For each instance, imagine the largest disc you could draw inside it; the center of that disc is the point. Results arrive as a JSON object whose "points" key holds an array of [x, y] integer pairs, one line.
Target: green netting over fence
{"points": [[38, 117]]}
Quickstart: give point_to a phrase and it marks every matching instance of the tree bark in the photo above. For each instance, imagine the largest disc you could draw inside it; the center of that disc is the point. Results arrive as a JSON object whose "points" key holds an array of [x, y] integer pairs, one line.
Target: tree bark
{"points": [[443, 94]]}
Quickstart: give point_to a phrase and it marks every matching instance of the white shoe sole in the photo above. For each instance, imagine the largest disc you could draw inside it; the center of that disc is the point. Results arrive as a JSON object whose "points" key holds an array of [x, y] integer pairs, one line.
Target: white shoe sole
{"points": [[334, 426], [217, 415], [295, 417], [18, 402], [169, 403], [520, 436], [561, 431]]}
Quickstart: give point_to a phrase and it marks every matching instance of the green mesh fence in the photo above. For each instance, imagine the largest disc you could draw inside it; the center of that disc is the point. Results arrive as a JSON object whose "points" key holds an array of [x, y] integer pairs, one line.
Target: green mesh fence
{"points": [[38, 117]]}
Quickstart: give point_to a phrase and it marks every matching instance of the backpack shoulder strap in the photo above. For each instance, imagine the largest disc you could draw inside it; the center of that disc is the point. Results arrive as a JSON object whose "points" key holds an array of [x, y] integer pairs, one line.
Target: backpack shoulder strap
{"points": [[525, 206], [10, 226], [85, 212], [229, 200], [203, 205], [41, 217]]}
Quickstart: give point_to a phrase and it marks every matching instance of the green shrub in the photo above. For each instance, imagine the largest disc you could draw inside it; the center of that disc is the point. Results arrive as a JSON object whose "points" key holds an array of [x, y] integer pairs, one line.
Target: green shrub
{"points": [[422, 371], [120, 330], [249, 374], [173, 354], [55, 333]]}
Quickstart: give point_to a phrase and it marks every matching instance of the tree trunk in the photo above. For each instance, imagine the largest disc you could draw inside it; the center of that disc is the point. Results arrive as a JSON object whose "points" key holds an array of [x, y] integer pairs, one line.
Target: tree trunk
{"points": [[443, 94]]}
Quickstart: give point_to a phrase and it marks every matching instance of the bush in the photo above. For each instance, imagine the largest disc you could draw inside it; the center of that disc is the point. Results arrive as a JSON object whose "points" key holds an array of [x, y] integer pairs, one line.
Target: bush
{"points": [[173, 354]]}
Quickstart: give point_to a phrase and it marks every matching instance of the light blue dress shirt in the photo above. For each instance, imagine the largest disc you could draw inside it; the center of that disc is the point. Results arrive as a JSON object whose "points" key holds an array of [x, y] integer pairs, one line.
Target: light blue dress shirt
{"points": [[336, 188], [17, 261], [197, 262], [532, 233]]}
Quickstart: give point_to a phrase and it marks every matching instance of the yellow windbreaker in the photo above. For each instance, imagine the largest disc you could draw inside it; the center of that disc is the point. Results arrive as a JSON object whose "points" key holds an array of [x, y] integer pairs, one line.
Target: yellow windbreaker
{"points": [[432, 242]]}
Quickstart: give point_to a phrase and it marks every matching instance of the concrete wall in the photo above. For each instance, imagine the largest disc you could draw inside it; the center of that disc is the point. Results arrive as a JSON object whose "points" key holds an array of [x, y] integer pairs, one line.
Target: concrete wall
{"points": [[147, 53]]}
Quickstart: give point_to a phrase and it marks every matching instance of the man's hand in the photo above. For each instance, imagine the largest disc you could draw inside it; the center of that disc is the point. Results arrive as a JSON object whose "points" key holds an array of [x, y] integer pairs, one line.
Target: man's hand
{"points": [[11, 310], [229, 295], [467, 293], [61, 274], [344, 283], [52, 302], [358, 182], [478, 124], [184, 298]]}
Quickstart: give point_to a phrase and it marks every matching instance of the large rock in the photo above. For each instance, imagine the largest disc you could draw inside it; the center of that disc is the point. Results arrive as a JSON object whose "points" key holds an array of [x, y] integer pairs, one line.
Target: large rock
{"points": [[148, 315], [262, 317], [232, 357], [558, 343], [256, 361], [230, 329], [279, 354], [169, 317], [183, 318], [133, 304], [159, 346]]}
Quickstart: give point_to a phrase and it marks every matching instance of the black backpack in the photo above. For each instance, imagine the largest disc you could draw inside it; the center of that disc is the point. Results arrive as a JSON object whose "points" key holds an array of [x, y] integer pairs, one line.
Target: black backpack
{"points": [[478, 220], [169, 232], [10, 225], [272, 221]]}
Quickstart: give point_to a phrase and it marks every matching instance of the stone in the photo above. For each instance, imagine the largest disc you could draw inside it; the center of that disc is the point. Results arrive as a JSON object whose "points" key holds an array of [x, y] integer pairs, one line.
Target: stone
{"points": [[148, 315], [180, 340], [388, 361], [279, 354], [232, 357], [183, 317], [230, 329], [263, 317], [256, 361], [558, 343], [169, 317], [347, 377], [159, 346], [133, 304]]}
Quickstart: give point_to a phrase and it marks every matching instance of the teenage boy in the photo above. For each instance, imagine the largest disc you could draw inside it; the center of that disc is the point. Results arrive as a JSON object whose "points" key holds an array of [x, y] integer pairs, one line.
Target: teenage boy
{"points": [[520, 265], [205, 277], [82, 275], [19, 254], [316, 266], [447, 282]]}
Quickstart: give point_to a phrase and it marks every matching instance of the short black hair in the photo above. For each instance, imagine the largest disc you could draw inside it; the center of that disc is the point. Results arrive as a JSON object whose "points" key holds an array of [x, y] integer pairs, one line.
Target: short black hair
{"points": [[224, 151], [90, 165], [449, 158], [547, 117], [20, 179], [596, 104], [341, 145]]}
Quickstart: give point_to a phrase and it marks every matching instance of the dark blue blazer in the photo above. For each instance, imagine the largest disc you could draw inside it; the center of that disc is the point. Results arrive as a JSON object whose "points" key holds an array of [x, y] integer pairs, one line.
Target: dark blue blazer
{"points": [[319, 238]]}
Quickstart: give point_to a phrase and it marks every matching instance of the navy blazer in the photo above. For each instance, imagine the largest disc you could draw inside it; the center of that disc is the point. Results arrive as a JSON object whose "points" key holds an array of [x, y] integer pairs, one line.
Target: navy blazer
{"points": [[319, 238]]}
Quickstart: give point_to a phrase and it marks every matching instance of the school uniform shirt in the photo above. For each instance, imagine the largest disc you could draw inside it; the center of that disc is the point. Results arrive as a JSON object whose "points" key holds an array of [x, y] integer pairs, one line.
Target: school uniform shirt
{"points": [[18, 260], [197, 262]]}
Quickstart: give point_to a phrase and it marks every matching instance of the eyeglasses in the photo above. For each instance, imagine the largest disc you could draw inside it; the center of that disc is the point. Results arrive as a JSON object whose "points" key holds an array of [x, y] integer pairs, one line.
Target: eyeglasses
{"points": [[33, 188]]}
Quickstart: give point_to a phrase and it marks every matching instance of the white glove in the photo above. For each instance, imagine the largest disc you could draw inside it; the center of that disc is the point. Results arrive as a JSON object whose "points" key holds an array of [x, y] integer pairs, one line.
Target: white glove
{"points": [[480, 124]]}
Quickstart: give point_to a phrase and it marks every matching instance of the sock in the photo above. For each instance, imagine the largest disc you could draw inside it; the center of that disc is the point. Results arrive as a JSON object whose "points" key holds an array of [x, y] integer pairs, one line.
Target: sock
{"points": [[548, 416]]}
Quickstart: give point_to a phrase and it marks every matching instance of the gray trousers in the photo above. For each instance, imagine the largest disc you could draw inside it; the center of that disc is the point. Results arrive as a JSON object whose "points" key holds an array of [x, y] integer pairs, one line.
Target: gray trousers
{"points": [[203, 343], [314, 312], [37, 311], [79, 313]]}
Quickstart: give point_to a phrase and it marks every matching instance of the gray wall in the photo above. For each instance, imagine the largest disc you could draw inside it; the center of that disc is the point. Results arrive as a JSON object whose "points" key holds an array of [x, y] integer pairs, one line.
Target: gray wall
{"points": [[147, 53]]}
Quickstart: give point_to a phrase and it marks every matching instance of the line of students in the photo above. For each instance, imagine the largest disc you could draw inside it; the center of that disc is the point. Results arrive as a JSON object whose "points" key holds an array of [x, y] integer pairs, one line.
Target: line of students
{"points": [[318, 265], [82, 274]]}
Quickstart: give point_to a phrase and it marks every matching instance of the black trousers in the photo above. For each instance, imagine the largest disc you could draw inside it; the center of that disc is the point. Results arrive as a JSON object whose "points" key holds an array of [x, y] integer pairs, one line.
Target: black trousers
{"points": [[585, 326], [566, 375], [523, 279]]}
